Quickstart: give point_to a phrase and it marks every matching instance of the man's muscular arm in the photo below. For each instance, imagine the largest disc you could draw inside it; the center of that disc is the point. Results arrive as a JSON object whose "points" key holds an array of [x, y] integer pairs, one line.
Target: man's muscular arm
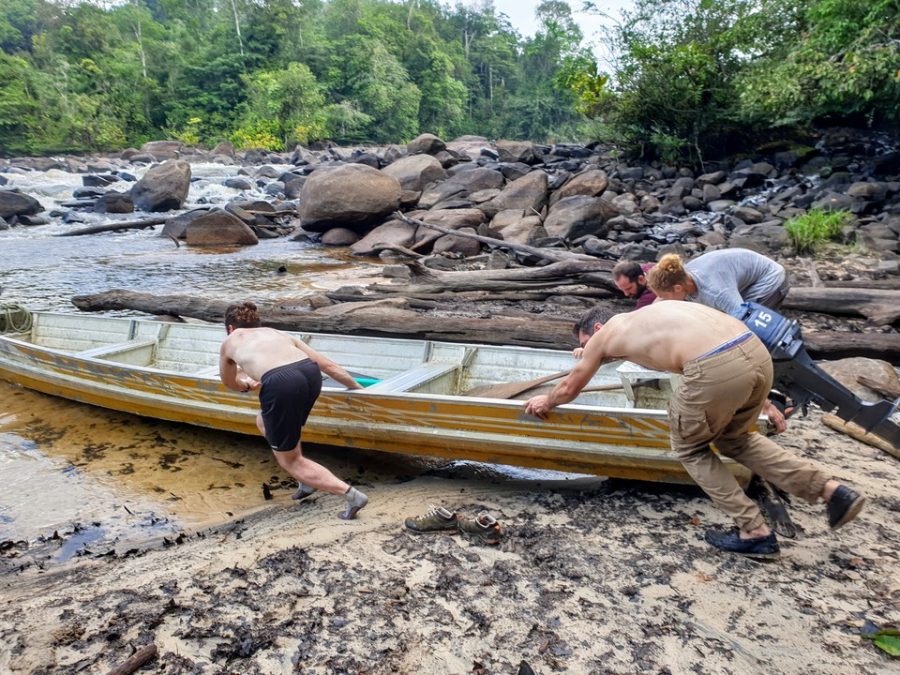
{"points": [[327, 366], [571, 385]]}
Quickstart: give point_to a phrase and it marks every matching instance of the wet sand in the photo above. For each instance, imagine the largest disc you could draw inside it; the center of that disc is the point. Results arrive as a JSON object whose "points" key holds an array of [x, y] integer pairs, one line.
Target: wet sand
{"points": [[593, 576]]}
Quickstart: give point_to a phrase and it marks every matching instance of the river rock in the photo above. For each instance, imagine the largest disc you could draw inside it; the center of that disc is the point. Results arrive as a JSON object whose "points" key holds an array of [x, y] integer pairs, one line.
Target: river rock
{"points": [[95, 180], [163, 187], [339, 236], [163, 149], [574, 217], [416, 171], [748, 215], [518, 151], [767, 238], [847, 372], [176, 227], [591, 183], [219, 228], [425, 144], [833, 201], [464, 246], [31, 221], [15, 203], [528, 193], [352, 195], [225, 148], [469, 146], [515, 226], [393, 232], [238, 183], [114, 202], [868, 191], [3, 224]]}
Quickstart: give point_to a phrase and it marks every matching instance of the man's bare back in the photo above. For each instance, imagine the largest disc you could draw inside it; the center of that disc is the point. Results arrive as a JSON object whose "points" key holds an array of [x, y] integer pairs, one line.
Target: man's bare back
{"points": [[664, 335], [258, 350]]}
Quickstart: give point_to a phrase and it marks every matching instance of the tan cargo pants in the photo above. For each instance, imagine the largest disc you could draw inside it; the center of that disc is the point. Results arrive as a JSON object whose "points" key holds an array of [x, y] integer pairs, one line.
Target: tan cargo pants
{"points": [[719, 401]]}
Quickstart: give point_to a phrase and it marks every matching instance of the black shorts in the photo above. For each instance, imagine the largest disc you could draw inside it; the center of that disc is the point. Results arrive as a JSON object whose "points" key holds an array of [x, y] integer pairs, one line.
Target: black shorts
{"points": [[287, 395]]}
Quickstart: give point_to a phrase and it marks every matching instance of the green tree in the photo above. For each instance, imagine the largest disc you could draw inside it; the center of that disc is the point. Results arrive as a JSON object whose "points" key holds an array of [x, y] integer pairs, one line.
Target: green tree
{"points": [[845, 65], [287, 105]]}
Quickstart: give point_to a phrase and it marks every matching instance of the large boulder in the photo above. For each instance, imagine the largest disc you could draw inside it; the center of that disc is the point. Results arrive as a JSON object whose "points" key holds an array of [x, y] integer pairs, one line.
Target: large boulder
{"points": [[175, 228], [415, 171], [528, 193], [114, 202], [163, 187], [515, 225], [575, 217], [393, 232], [353, 195], [15, 203], [163, 149], [339, 236], [425, 143], [518, 151], [225, 148], [766, 238], [451, 243], [591, 183], [219, 228], [847, 372], [452, 219]]}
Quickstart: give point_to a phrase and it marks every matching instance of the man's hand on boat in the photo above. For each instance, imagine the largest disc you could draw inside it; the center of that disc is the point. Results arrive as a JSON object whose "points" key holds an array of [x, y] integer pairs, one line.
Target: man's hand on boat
{"points": [[538, 406]]}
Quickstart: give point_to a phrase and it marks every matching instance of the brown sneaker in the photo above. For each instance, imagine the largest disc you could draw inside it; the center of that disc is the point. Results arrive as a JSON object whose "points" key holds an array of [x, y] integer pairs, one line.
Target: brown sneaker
{"points": [[482, 529], [437, 519]]}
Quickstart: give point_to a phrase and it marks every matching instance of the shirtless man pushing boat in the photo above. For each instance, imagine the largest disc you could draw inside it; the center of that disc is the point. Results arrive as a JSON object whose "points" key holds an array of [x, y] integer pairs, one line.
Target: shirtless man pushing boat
{"points": [[726, 376], [288, 374]]}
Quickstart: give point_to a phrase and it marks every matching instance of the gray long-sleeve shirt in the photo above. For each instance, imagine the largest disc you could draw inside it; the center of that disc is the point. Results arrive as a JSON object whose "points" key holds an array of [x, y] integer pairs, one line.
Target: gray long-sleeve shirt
{"points": [[728, 277]]}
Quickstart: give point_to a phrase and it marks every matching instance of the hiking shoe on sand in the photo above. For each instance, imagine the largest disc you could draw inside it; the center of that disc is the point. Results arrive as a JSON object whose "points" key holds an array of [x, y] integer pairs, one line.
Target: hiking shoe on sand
{"points": [[482, 529], [437, 519], [302, 491], [844, 505], [730, 541]]}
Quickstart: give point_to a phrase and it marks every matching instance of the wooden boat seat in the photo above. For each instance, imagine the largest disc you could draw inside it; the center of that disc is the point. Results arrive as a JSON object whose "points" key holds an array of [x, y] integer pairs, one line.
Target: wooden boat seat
{"points": [[410, 379], [117, 349]]}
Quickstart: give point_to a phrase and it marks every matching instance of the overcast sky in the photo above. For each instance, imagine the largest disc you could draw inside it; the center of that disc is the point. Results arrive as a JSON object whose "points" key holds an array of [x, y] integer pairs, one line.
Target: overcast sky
{"points": [[521, 14]]}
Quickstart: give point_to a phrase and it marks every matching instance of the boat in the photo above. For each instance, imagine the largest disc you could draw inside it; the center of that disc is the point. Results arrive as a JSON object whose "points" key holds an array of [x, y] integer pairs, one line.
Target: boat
{"points": [[415, 403]]}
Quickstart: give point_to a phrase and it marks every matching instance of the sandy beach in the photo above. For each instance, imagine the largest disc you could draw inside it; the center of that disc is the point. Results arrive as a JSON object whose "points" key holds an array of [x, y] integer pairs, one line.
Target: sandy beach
{"points": [[592, 576]]}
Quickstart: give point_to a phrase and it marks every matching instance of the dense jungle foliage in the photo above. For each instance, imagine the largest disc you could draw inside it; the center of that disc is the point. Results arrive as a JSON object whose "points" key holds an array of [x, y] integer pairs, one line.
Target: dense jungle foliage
{"points": [[689, 75]]}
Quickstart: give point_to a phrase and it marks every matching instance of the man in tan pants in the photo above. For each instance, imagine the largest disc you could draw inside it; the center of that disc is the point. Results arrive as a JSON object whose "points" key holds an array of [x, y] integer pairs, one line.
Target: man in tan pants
{"points": [[727, 374]]}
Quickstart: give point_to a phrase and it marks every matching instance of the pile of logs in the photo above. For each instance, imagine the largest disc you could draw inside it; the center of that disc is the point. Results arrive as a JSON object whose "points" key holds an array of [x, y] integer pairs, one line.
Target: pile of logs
{"points": [[486, 305]]}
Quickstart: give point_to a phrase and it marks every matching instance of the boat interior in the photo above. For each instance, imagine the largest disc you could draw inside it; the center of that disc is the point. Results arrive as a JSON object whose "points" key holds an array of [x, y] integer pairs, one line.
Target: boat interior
{"points": [[383, 365]]}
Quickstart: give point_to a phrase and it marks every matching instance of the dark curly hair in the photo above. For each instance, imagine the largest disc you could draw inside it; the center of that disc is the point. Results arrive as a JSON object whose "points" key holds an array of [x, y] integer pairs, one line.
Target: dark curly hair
{"points": [[243, 315]]}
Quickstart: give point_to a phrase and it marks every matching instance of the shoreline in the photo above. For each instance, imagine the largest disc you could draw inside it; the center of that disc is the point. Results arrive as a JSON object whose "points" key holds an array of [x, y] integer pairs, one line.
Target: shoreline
{"points": [[594, 576]]}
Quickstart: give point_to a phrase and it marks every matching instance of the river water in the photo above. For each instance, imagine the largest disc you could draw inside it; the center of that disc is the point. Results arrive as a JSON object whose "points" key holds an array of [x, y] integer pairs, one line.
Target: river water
{"points": [[95, 476]]}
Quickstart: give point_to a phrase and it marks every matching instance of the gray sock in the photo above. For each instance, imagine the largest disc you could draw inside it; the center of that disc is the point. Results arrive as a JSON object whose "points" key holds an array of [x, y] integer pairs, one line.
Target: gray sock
{"points": [[302, 491], [355, 501]]}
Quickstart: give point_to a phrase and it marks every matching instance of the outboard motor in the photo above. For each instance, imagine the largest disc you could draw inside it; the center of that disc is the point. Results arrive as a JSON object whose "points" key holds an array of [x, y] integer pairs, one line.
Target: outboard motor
{"points": [[800, 379]]}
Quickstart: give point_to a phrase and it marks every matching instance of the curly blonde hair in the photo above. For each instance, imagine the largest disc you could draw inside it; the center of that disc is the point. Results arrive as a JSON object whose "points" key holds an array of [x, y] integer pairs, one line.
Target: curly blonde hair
{"points": [[243, 315], [668, 273]]}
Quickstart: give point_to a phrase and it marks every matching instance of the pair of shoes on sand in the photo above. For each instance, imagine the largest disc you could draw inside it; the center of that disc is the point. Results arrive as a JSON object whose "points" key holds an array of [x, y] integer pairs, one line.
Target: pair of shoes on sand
{"points": [[844, 505], [482, 529], [355, 500]]}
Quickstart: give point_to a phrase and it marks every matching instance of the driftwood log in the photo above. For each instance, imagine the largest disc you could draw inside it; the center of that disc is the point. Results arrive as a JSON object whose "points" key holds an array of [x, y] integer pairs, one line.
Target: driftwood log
{"points": [[880, 306], [392, 317], [366, 318], [115, 227], [138, 659]]}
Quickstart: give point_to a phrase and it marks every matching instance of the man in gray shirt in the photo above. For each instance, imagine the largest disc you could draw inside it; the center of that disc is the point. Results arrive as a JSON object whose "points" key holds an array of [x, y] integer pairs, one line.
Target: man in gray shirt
{"points": [[722, 279]]}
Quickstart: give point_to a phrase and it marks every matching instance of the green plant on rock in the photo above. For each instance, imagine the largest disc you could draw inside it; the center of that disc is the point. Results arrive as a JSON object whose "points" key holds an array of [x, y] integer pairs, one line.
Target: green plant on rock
{"points": [[815, 227]]}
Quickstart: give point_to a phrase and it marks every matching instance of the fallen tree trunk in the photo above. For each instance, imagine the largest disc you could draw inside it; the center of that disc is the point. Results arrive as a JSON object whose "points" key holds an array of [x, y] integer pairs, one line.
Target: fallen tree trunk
{"points": [[366, 319], [550, 254], [427, 280], [834, 344], [378, 318], [115, 227], [879, 305]]}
